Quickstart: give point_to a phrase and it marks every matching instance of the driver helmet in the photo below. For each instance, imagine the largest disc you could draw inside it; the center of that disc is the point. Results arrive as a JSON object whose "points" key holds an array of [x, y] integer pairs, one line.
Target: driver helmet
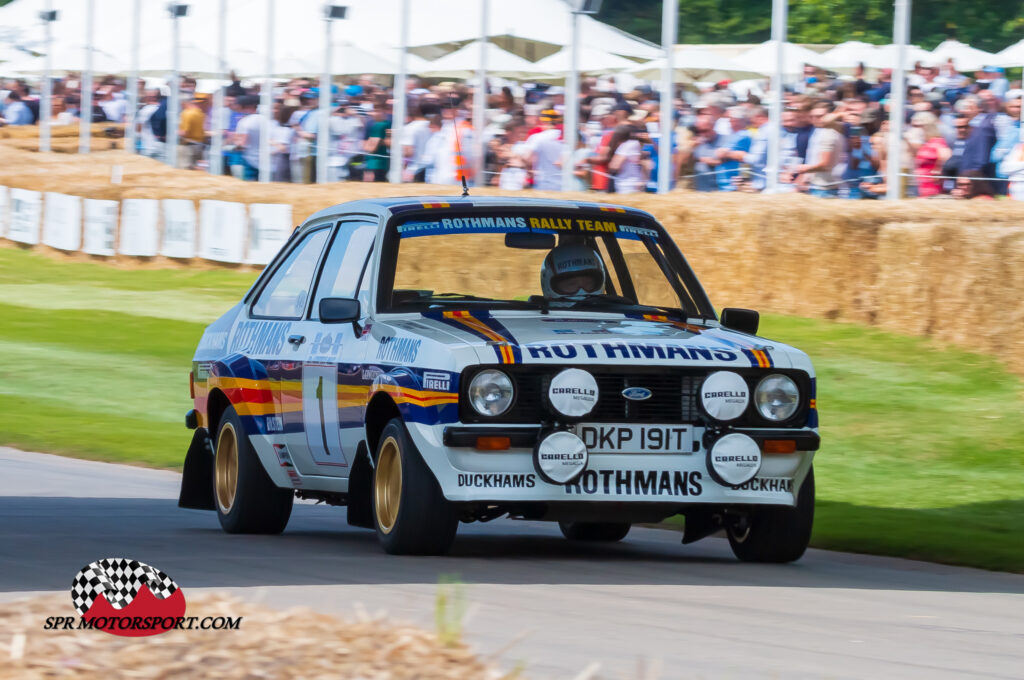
{"points": [[572, 271]]}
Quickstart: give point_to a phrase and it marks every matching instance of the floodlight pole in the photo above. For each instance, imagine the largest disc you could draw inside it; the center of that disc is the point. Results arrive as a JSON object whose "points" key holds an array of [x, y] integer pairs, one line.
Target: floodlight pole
{"points": [[85, 110], [267, 98], [216, 164], [570, 129], [480, 99], [133, 83], [669, 21], [897, 97], [780, 9], [46, 100], [323, 132], [174, 104], [398, 112]]}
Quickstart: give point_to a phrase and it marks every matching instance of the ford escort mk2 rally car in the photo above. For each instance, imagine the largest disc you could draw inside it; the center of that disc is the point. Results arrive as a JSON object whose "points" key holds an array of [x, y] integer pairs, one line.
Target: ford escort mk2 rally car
{"points": [[432, 361]]}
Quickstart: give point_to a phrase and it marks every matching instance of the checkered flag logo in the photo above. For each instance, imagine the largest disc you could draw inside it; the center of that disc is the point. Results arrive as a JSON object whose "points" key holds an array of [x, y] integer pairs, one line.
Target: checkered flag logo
{"points": [[119, 581]]}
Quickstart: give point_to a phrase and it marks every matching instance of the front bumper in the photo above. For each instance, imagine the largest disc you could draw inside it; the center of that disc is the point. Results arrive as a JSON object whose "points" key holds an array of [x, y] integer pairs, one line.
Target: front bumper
{"points": [[470, 475]]}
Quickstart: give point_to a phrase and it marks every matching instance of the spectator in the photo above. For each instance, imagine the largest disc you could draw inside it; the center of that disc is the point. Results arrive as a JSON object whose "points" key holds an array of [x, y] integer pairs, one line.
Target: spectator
{"points": [[823, 151], [953, 165], [931, 156], [544, 152], [281, 135], [192, 129], [375, 147], [861, 164], [705, 152], [627, 166], [981, 140], [247, 136], [15, 111], [1007, 126], [347, 134], [1012, 167], [733, 150], [757, 157]]}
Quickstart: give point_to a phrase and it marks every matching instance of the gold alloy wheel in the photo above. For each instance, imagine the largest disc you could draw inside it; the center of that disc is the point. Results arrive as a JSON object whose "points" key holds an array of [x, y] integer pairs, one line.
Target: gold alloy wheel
{"points": [[387, 483], [226, 468]]}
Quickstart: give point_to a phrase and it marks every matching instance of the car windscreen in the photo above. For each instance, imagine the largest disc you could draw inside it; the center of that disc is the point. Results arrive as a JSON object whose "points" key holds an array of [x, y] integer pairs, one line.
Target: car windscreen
{"points": [[570, 260]]}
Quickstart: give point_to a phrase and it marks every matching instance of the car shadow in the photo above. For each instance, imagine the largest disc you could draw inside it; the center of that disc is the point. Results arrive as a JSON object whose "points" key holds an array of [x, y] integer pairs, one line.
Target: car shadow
{"points": [[46, 540]]}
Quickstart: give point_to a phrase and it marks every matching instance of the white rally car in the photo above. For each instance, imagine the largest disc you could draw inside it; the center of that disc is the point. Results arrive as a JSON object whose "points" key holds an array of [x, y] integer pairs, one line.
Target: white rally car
{"points": [[434, 360]]}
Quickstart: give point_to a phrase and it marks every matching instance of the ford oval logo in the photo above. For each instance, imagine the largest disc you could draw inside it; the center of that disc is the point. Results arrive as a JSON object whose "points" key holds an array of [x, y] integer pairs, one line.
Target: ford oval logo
{"points": [[637, 393]]}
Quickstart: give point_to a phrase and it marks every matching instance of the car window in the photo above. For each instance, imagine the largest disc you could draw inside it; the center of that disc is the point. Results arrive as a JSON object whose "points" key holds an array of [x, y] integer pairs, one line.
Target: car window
{"points": [[345, 261], [287, 291]]}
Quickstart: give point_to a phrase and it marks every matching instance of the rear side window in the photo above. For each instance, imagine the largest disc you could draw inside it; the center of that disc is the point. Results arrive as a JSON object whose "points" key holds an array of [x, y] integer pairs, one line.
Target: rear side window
{"points": [[287, 292]]}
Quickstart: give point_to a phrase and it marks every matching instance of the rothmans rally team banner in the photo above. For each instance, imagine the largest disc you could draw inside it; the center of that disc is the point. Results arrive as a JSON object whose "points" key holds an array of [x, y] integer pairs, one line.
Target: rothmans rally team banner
{"points": [[138, 227], [221, 231], [3, 211], [270, 224], [179, 239], [100, 233], [26, 206], [62, 221]]}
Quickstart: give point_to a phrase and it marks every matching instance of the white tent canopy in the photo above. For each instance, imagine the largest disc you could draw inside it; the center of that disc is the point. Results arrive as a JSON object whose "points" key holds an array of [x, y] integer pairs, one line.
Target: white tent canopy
{"points": [[1011, 56], [463, 63], [535, 28], [885, 57], [591, 60], [693, 64], [540, 26], [848, 54], [762, 59], [965, 57], [65, 59]]}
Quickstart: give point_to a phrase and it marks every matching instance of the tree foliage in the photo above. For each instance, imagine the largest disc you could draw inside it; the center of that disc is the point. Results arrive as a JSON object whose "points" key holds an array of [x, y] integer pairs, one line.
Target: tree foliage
{"points": [[986, 24]]}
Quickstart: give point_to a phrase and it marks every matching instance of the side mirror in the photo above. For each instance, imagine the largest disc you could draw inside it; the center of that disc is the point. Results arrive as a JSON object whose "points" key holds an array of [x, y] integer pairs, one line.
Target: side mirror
{"points": [[339, 310], [742, 320]]}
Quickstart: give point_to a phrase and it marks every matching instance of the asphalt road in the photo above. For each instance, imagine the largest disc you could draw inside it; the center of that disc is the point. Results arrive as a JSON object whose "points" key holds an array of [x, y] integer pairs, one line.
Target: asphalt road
{"points": [[533, 598]]}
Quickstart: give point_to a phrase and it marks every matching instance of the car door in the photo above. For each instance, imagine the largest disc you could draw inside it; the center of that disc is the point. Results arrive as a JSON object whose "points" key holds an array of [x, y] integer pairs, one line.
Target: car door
{"points": [[330, 373]]}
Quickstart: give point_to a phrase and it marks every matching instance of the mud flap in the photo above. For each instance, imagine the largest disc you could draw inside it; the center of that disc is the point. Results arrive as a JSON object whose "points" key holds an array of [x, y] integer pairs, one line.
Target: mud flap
{"points": [[700, 523], [197, 477], [360, 491]]}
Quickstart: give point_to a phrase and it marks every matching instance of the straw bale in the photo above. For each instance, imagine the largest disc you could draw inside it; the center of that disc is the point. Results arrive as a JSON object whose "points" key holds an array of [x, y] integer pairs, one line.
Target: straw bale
{"points": [[925, 267], [268, 644]]}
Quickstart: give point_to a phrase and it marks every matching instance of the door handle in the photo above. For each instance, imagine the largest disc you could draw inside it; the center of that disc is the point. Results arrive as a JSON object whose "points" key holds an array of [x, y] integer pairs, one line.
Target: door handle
{"points": [[296, 339]]}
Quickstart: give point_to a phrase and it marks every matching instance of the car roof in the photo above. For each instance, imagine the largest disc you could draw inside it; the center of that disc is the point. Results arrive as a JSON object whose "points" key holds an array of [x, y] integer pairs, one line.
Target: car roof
{"points": [[393, 205]]}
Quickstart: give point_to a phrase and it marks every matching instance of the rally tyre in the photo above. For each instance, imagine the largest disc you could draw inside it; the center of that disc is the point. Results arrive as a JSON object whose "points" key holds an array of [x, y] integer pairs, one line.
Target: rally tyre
{"points": [[247, 501], [777, 534], [608, 532], [410, 514]]}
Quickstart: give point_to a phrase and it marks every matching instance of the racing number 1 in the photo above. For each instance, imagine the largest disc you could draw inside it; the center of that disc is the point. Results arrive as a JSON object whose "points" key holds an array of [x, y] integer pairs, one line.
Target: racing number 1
{"points": [[320, 412]]}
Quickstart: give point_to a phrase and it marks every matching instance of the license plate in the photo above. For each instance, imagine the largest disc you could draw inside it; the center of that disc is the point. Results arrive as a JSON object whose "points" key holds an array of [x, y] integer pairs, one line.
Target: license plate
{"points": [[605, 438]]}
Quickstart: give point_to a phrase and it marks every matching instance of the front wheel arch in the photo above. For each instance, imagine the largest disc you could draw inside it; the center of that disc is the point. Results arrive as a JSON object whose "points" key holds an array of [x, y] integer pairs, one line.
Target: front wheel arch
{"points": [[381, 410]]}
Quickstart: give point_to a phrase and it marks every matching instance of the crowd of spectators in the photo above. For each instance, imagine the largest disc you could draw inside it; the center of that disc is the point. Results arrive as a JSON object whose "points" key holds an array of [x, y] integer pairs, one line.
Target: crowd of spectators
{"points": [[961, 136]]}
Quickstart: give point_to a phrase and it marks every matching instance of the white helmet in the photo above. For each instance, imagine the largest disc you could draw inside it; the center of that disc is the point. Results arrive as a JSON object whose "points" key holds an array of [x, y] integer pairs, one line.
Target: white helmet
{"points": [[572, 271]]}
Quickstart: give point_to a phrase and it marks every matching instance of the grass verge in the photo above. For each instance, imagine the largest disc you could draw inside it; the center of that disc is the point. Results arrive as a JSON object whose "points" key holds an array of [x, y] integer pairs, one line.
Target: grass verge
{"points": [[921, 448]]}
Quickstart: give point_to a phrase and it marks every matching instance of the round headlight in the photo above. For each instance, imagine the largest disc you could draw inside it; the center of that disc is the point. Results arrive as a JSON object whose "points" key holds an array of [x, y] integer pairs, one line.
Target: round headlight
{"points": [[777, 397], [491, 392]]}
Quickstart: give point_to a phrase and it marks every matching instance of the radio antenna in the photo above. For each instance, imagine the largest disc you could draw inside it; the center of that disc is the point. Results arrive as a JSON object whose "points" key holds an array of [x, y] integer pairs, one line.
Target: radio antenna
{"points": [[461, 168]]}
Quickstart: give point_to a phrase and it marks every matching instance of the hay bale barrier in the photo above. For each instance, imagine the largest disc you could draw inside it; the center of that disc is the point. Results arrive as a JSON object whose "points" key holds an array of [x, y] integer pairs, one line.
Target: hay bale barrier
{"points": [[267, 644], [945, 269]]}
